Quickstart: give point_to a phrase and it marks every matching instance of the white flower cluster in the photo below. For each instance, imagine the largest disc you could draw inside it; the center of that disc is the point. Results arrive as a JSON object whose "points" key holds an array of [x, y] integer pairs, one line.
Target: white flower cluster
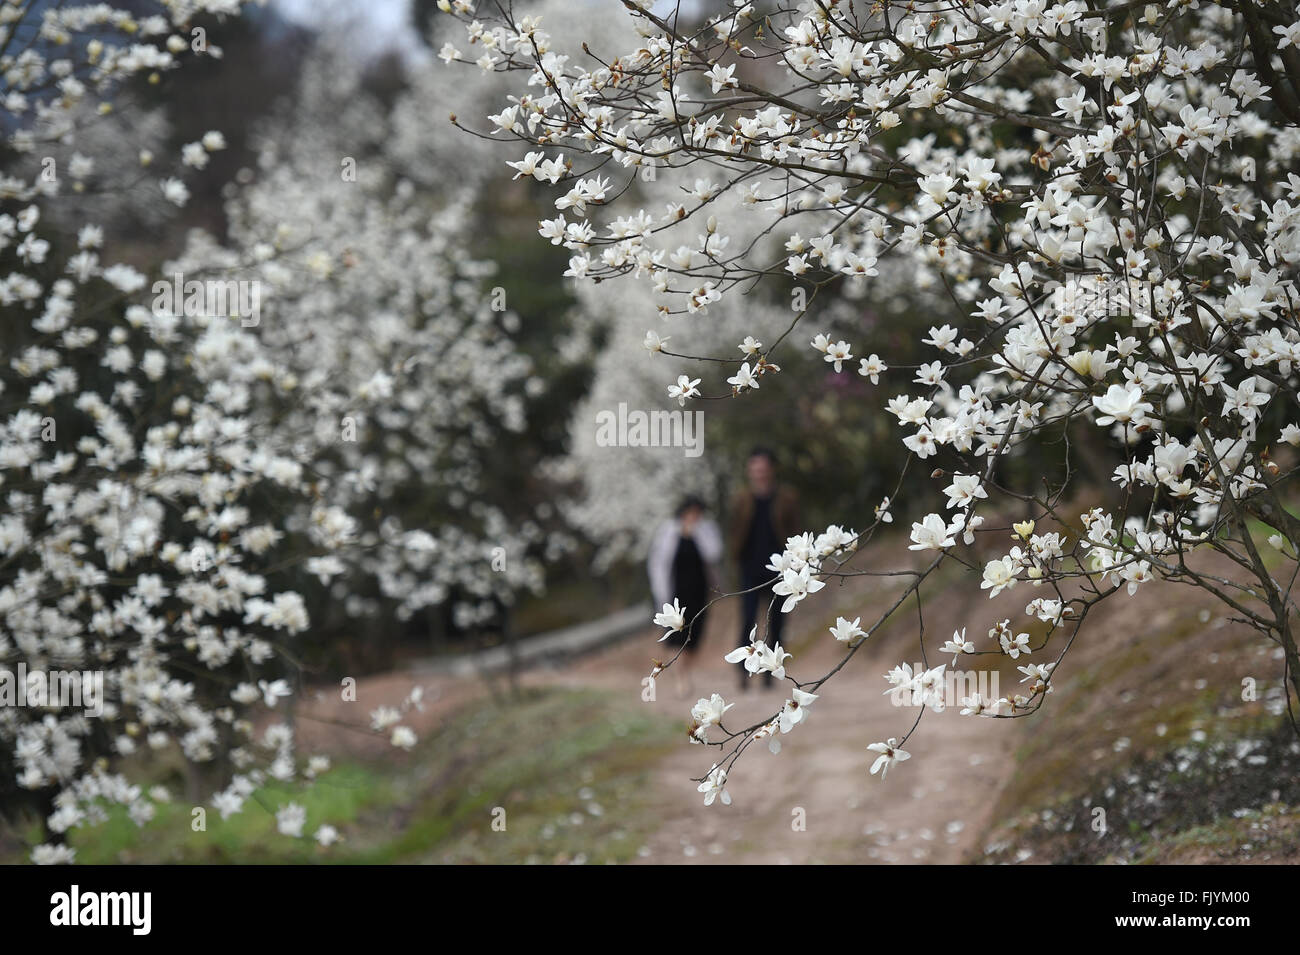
{"points": [[176, 480], [1103, 194]]}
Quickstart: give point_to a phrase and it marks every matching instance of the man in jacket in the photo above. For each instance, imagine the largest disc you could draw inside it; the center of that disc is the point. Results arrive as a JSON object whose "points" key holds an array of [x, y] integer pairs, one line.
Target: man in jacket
{"points": [[763, 515]]}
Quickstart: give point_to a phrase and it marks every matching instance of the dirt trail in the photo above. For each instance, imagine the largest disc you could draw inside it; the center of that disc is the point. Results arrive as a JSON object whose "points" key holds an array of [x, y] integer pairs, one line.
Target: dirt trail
{"points": [[932, 808]]}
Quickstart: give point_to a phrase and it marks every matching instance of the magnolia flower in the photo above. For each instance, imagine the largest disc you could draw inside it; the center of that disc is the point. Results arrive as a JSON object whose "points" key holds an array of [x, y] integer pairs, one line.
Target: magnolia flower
{"points": [[722, 77], [872, 367], [929, 374], [958, 645], [758, 658], [770, 660], [890, 754], [671, 617], [1244, 400], [999, 575], [966, 524], [846, 632], [1121, 404], [859, 266], [1091, 363], [937, 187], [928, 688], [1135, 574], [175, 191], [274, 690], [1037, 671], [745, 653], [980, 175], [1014, 646], [1049, 611], [931, 534], [839, 353], [795, 709], [922, 444], [653, 343], [1290, 35], [976, 705], [941, 338], [795, 586], [713, 787], [743, 378], [685, 388], [290, 819], [50, 853], [900, 678], [964, 490], [710, 712], [537, 166]]}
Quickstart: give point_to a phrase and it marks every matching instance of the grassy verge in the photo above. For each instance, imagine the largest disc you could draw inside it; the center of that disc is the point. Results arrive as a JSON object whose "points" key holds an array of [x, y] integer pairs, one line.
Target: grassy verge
{"points": [[1165, 734], [569, 769]]}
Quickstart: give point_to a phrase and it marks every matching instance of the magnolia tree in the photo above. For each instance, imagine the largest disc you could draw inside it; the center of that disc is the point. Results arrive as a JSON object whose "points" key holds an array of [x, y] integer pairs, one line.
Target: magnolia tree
{"points": [[1102, 194], [149, 489], [398, 342], [183, 453]]}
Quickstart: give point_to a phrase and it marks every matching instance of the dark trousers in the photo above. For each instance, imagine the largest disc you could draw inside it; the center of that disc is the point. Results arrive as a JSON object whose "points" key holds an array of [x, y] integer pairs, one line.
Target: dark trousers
{"points": [[754, 609]]}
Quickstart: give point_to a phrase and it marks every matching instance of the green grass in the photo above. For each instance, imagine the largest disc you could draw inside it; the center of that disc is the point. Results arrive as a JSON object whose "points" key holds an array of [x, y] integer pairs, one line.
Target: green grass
{"points": [[337, 798], [570, 769]]}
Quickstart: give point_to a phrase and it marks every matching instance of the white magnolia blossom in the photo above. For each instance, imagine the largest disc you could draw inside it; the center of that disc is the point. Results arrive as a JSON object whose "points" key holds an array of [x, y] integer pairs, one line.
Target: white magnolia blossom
{"points": [[1093, 205]]}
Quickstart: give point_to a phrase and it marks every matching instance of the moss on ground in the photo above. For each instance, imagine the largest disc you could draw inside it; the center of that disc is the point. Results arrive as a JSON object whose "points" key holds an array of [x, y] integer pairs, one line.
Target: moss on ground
{"points": [[1269, 835]]}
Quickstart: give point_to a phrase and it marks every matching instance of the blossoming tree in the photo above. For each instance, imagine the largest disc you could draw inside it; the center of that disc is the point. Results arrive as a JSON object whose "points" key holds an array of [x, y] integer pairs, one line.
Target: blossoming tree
{"points": [[399, 347], [1098, 196], [177, 476]]}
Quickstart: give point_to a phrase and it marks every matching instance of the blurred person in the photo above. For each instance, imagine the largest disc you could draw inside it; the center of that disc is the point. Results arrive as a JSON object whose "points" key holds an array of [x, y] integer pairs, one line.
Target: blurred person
{"points": [[684, 555], [763, 514]]}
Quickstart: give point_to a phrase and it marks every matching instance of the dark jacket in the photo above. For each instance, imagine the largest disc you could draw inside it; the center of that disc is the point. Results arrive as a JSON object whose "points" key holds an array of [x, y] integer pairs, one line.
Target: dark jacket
{"points": [[785, 519]]}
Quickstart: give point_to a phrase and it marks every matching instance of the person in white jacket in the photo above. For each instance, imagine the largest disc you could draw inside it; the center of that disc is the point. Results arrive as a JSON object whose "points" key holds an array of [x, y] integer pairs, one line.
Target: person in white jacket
{"points": [[684, 555]]}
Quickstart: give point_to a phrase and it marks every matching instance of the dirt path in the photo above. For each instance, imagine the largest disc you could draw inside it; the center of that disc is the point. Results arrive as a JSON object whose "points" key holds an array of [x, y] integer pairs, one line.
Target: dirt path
{"points": [[932, 808]]}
